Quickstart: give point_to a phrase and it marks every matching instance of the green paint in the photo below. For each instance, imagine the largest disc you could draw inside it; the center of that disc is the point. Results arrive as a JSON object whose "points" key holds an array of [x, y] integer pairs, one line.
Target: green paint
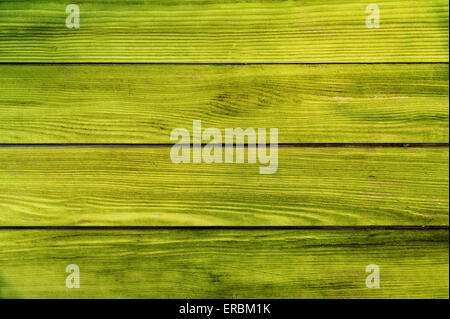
{"points": [[141, 186], [144, 103], [224, 31], [396, 103], [224, 264]]}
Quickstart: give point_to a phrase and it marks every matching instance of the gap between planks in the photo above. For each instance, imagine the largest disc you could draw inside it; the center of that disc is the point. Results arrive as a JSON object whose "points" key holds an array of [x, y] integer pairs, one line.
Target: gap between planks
{"points": [[311, 145], [224, 63]]}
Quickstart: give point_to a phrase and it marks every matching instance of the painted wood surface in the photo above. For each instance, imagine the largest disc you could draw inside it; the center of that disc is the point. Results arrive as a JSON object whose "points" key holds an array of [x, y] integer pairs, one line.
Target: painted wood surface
{"points": [[141, 186], [224, 264], [333, 91], [144, 103], [201, 31]]}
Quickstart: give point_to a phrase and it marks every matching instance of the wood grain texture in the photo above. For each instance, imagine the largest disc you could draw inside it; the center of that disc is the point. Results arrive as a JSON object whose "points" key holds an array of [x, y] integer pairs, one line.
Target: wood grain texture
{"points": [[215, 31], [144, 103], [224, 264], [141, 186]]}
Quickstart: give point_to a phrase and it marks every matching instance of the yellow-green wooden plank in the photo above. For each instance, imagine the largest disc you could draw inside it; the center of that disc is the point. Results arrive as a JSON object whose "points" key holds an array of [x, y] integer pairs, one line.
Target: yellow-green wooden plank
{"points": [[224, 264], [141, 186], [144, 103], [224, 31]]}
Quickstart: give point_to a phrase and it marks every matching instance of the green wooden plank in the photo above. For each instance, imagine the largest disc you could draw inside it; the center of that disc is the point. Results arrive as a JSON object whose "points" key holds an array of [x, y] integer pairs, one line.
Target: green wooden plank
{"points": [[141, 186], [144, 103], [224, 264], [224, 31]]}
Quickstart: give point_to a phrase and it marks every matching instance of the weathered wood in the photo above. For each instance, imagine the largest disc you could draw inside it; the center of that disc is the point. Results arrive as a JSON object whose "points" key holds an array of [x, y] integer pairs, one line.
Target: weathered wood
{"points": [[224, 264], [144, 103], [308, 103], [141, 186], [215, 31]]}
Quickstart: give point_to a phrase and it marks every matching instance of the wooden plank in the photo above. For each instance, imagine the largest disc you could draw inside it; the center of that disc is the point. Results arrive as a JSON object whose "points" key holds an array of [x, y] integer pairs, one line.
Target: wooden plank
{"points": [[215, 31], [224, 264], [144, 103], [141, 186]]}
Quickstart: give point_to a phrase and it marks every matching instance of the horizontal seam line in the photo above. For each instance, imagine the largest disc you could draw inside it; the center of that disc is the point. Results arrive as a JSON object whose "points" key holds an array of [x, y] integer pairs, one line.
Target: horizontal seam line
{"points": [[155, 145], [378, 228], [218, 63]]}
